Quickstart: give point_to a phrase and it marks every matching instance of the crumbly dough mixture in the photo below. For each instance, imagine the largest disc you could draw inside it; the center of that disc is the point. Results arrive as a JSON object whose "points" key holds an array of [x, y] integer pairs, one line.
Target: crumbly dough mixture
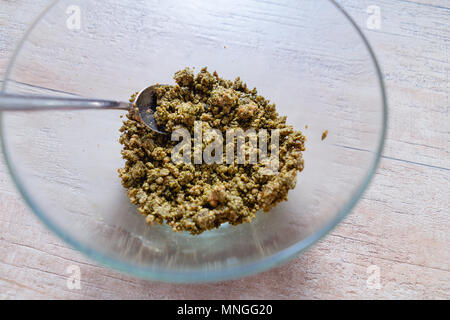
{"points": [[199, 197]]}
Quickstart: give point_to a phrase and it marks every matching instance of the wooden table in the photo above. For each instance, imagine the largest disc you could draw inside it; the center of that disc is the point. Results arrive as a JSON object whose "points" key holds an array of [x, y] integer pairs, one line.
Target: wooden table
{"points": [[400, 230]]}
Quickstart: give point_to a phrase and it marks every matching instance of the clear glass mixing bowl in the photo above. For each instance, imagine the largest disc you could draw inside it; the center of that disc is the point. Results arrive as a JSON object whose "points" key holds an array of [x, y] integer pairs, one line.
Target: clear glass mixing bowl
{"points": [[309, 57]]}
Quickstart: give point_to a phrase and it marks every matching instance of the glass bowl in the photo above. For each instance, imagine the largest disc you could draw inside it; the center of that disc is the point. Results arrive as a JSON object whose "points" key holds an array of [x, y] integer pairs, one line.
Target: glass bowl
{"points": [[308, 57]]}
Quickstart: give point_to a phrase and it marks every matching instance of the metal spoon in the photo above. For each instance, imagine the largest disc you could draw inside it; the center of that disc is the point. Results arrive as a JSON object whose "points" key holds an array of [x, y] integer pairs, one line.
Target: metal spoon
{"points": [[145, 103]]}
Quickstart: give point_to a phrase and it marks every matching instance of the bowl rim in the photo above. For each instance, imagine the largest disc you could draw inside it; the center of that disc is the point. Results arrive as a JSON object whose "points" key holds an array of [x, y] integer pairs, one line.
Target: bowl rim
{"points": [[213, 275]]}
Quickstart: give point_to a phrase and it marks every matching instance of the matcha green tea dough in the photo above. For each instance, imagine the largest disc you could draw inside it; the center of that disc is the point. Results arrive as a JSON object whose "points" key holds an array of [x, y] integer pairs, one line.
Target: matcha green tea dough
{"points": [[199, 197]]}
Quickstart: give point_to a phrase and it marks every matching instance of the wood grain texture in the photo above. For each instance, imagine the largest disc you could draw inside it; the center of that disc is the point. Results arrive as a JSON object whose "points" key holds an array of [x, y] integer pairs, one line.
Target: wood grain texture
{"points": [[402, 224]]}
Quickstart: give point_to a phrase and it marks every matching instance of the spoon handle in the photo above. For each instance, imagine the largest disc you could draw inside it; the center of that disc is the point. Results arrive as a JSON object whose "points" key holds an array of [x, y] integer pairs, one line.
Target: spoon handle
{"points": [[40, 103]]}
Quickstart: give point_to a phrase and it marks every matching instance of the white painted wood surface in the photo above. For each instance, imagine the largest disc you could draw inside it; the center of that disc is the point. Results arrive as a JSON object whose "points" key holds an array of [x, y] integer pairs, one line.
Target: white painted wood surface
{"points": [[402, 224]]}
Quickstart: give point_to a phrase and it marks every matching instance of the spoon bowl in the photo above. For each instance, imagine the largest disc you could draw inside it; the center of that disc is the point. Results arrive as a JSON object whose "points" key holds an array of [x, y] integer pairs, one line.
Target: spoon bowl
{"points": [[146, 103]]}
